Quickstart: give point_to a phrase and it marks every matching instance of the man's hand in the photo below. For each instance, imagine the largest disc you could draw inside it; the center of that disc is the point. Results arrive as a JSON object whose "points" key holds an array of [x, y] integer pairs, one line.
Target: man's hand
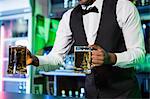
{"points": [[29, 58], [100, 56]]}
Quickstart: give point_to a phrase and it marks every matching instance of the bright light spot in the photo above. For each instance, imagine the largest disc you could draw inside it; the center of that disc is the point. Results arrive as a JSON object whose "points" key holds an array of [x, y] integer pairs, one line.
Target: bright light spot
{"points": [[144, 26]]}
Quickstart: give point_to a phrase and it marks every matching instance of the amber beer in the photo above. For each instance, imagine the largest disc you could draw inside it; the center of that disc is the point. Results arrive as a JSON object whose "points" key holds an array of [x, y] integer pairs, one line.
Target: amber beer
{"points": [[83, 58], [17, 60]]}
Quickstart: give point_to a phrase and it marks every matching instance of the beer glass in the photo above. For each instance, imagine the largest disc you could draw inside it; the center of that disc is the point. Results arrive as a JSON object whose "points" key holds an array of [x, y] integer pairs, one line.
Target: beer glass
{"points": [[82, 58], [17, 60]]}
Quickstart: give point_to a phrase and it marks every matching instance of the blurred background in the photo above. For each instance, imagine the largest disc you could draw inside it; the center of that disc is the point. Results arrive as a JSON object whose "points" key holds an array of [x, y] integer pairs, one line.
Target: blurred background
{"points": [[33, 23]]}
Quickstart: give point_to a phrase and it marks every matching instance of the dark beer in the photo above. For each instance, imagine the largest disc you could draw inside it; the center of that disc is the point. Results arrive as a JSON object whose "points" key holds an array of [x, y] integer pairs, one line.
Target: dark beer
{"points": [[17, 60], [82, 58]]}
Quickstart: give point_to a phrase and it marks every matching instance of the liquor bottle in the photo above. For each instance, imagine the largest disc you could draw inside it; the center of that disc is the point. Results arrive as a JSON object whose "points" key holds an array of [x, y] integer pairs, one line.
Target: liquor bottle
{"points": [[76, 94], [63, 93], [70, 93], [82, 93]]}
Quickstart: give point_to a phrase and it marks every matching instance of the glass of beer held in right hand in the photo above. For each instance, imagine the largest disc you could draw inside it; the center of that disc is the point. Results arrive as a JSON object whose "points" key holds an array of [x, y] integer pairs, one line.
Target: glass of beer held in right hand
{"points": [[83, 58]]}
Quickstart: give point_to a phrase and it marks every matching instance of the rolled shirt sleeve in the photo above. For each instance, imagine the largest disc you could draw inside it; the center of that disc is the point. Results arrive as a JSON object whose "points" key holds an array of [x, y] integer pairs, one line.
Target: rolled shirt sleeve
{"points": [[62, 45], [129, 20]]}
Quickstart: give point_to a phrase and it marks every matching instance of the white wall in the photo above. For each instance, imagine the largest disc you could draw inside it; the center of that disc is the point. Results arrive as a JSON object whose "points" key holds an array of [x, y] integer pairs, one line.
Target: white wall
{"points": [[6, 5]]}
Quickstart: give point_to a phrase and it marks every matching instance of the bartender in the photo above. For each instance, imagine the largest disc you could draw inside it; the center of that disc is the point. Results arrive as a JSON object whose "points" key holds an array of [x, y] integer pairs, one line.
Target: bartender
{"points": [[113, 29]]}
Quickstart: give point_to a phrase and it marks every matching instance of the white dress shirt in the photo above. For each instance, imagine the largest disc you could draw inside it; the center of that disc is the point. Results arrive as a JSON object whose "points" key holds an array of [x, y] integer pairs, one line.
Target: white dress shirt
{"points": [[128, 20]]}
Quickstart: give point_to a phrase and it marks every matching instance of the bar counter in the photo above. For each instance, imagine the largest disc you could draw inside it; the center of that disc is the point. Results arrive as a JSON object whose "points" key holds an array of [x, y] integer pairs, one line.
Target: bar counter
{"points": [[8, 95]]}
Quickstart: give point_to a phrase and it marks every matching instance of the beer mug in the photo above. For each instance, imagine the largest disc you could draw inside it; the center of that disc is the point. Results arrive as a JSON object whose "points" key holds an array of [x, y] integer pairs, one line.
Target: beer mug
{"points": [[83, 58], [17, 60]]}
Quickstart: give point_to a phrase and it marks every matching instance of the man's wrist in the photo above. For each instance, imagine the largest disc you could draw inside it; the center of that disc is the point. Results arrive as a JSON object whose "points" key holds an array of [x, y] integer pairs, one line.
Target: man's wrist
{"points": [[35, 61], [112, 58]]}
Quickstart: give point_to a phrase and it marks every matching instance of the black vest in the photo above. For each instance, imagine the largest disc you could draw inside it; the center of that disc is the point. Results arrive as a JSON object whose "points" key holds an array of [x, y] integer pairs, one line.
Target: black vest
{"points": [[109, 37]]}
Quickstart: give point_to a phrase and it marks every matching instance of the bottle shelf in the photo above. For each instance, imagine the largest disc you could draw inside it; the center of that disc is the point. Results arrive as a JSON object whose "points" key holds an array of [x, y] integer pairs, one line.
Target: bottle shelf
{"points": [[144, 12], [15, 79], [15, 39], [16, 29], [145, 16]]}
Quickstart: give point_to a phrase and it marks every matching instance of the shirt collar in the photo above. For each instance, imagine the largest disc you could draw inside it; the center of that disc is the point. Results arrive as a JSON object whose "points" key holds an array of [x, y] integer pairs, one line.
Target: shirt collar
{"points": [[97, 4]]}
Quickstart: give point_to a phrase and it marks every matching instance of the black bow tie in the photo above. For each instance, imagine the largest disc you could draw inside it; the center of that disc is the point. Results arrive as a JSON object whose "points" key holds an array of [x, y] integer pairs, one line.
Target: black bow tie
{"points": [[91, 9]]}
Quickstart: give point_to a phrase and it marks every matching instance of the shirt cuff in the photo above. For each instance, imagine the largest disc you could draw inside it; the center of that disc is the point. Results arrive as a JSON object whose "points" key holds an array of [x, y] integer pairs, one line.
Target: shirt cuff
{"points": [[123, 60], [50, 60]]}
